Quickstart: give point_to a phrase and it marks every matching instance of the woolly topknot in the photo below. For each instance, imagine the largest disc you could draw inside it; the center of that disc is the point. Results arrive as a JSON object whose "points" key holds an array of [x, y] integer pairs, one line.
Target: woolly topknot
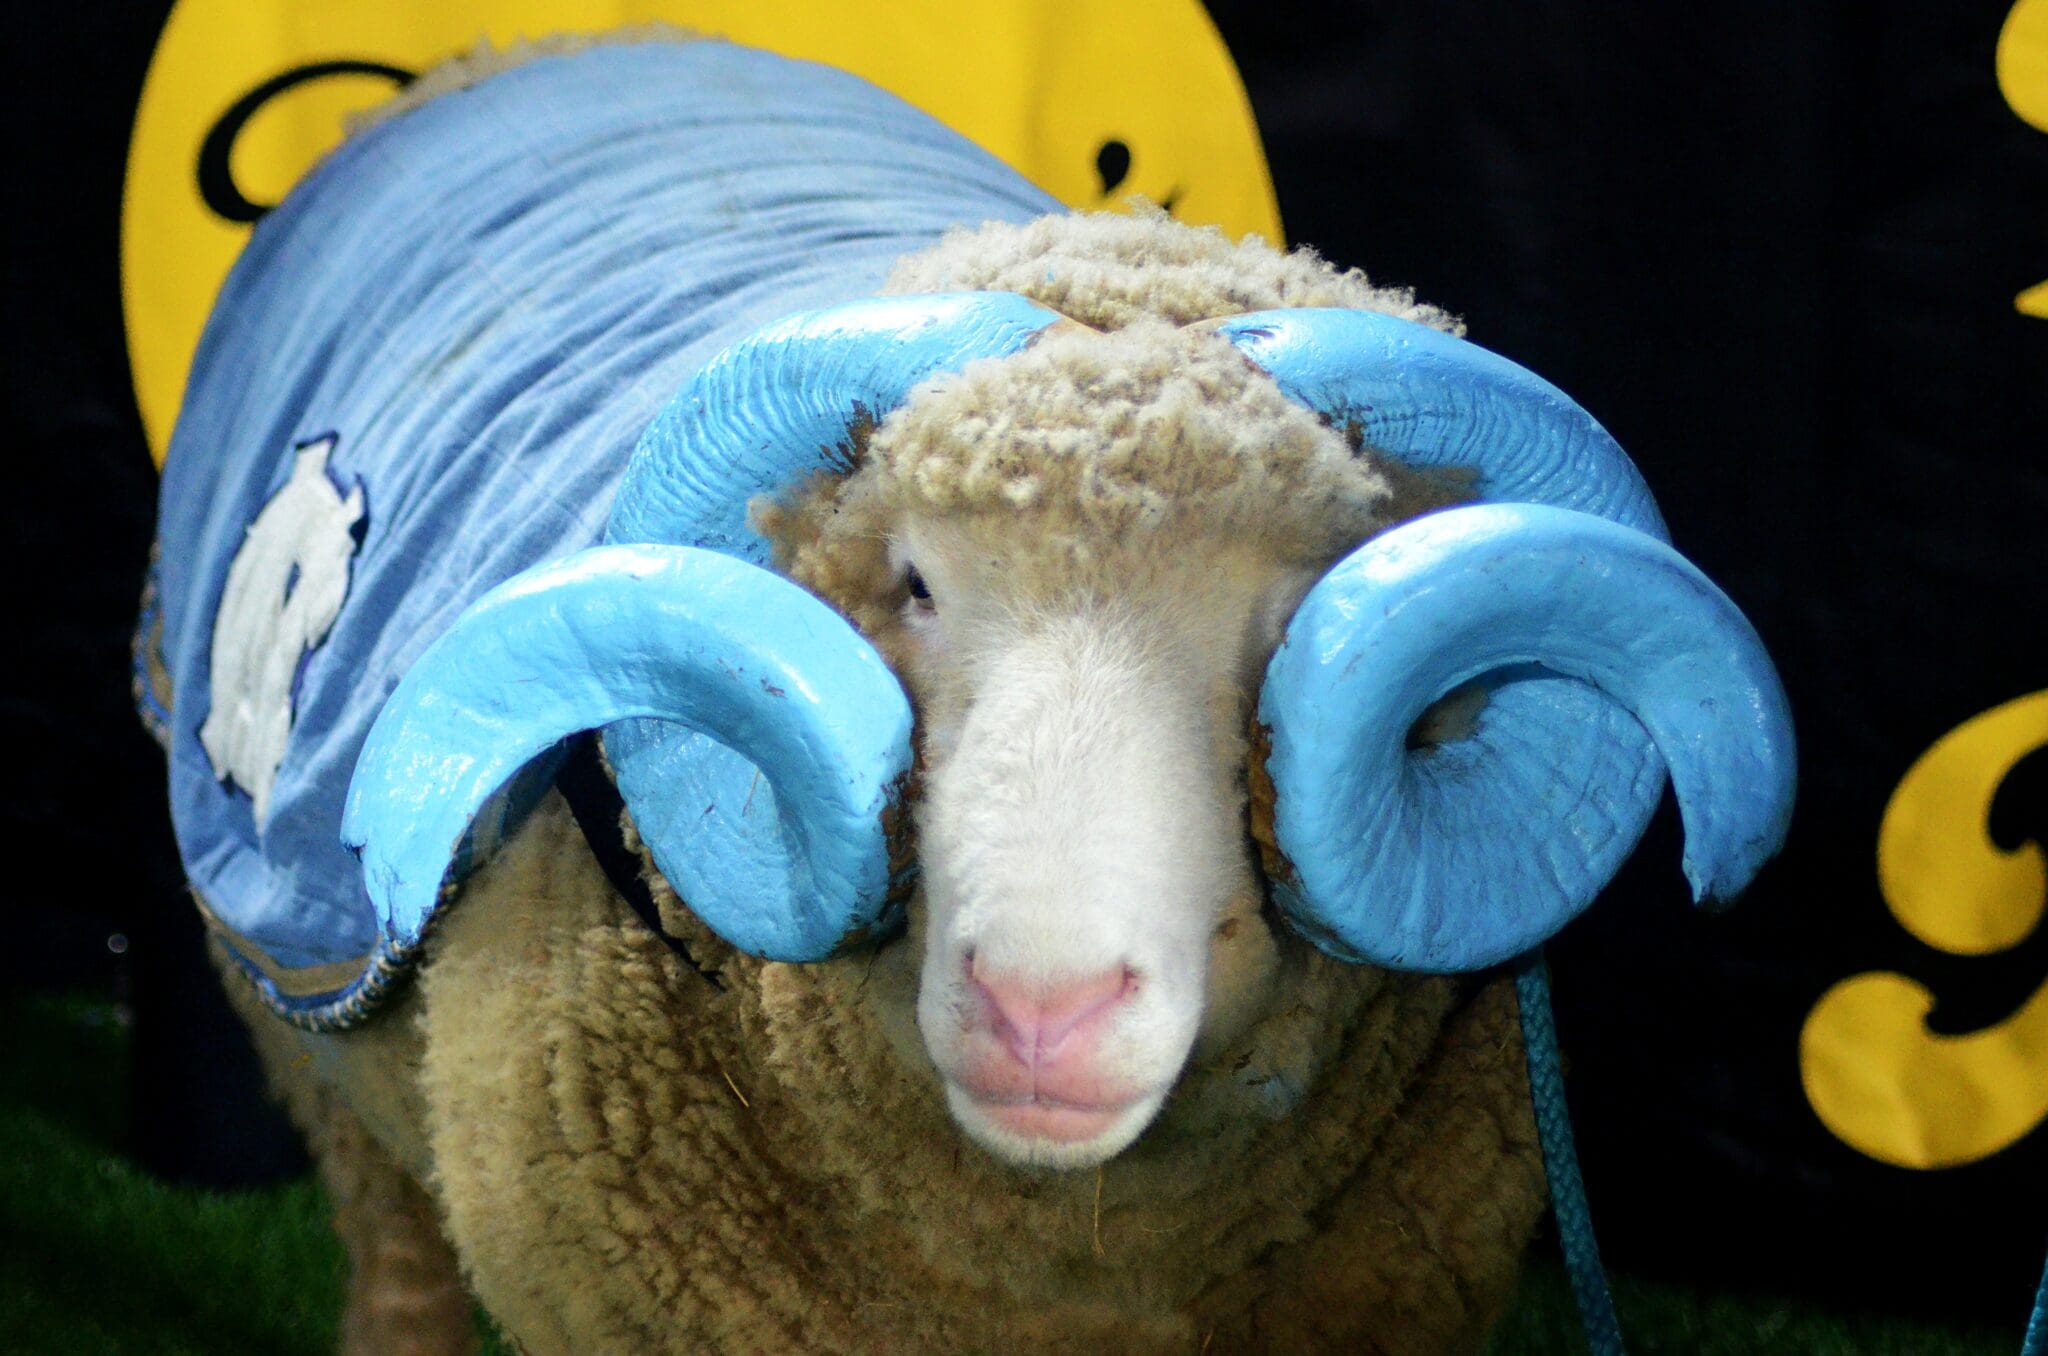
{"points": [[1122, 434], [1110, 271]]}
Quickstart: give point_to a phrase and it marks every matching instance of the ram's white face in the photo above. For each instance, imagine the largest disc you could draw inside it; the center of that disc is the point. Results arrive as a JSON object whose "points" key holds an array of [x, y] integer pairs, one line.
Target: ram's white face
{"points": [[1082, 827]]}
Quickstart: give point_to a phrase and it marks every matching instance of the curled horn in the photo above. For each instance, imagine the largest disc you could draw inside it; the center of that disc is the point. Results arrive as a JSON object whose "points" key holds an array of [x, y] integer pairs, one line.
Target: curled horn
{"points": [[688, 637], [759, 741], [785, 402], [1434, 401], [1607, 656]]}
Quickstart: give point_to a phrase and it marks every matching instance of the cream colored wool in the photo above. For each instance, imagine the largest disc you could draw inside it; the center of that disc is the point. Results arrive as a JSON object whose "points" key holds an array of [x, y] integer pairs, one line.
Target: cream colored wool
{"points": [[1153, 425], [1108, 271], [357, 1101], [629, 1158], [1124, 433], [632, 1160]]}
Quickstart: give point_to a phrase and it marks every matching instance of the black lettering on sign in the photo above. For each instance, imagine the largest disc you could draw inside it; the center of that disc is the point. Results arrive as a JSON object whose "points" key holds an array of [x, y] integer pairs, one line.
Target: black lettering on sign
{"points": [[1113, 166], [216, 175]]}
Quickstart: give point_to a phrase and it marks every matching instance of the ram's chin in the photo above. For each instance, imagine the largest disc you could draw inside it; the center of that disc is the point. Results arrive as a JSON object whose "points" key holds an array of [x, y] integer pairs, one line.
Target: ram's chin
{"points": [[1038, 1134]]}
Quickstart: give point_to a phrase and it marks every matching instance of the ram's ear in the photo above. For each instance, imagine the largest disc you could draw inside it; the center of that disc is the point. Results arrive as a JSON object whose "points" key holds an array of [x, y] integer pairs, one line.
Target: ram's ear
{"points": [[1610, 659], [711, 647]]}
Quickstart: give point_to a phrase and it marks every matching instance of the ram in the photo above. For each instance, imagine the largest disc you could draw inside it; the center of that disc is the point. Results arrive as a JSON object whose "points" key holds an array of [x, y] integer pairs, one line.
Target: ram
{"points": [[1054, 827]]}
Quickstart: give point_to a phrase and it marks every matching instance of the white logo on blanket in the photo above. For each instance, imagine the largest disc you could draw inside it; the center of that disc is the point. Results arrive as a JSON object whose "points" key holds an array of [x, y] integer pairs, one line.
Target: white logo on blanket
{"points": [[284, 590]]}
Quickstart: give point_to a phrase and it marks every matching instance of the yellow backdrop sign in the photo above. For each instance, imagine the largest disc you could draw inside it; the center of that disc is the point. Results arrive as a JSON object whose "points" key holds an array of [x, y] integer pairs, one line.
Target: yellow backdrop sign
{"points": [[1093, 100], [1877, 1076], [2023, 76]]}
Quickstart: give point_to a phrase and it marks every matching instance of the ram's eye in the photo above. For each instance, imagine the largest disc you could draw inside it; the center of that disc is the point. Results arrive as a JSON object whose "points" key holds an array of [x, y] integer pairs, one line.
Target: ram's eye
{"points": [[919, 590]]}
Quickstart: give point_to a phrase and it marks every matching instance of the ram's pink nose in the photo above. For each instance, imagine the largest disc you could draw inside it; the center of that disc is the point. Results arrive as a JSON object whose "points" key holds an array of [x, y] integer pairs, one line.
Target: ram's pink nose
{"points": [[1046, 1024]]}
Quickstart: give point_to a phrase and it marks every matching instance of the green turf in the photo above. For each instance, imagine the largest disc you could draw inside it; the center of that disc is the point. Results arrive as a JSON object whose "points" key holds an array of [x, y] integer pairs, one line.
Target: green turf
{"points": [[98, 1257], [1679, 1322]]}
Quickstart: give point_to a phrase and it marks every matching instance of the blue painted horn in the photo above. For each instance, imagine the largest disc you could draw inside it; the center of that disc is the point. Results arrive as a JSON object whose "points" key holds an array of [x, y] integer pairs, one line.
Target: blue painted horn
{"points": [[1608, 659], [760, 743]]}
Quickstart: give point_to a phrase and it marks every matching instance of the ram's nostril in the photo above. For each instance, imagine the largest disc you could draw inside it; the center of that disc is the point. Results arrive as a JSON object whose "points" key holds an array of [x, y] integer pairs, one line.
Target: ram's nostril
{"points": [[1044, 1021]]}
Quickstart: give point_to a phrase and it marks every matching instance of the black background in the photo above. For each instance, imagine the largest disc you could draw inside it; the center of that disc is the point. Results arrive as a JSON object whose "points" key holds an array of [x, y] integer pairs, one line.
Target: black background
{"points": [[1773, 246]]}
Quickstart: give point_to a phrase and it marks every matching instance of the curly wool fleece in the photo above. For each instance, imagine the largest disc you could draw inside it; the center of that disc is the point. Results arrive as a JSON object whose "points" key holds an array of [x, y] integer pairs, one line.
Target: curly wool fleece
{"points": [[1149, 424], [633, 1160], [1109, 271], [1128, 432]]}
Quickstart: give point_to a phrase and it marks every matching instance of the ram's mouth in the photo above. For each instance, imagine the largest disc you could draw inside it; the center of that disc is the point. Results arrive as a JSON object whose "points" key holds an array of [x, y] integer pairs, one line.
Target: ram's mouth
{"points": [[1049, 1117], [1045, 1131]]}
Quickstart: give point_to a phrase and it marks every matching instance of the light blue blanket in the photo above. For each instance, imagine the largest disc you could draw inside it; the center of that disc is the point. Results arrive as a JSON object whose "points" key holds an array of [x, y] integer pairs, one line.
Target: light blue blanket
{"points": [[426, 373]]}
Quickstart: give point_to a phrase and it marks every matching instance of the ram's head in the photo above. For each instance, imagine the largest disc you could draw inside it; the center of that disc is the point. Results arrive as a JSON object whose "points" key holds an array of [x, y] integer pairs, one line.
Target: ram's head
{"points": [[1166, 663]]}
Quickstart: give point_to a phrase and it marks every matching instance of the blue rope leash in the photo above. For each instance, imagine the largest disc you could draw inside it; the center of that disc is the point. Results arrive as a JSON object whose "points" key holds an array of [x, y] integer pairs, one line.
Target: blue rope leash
{"points": [[1561, 1165], [2036, 1343]]}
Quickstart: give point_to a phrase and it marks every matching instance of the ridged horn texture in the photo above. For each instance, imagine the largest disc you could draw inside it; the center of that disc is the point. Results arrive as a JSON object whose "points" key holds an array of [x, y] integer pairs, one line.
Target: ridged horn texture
{"points": [[760, 743], [785, 402], [1607, 657], [1435, 401], [691, 637]]}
